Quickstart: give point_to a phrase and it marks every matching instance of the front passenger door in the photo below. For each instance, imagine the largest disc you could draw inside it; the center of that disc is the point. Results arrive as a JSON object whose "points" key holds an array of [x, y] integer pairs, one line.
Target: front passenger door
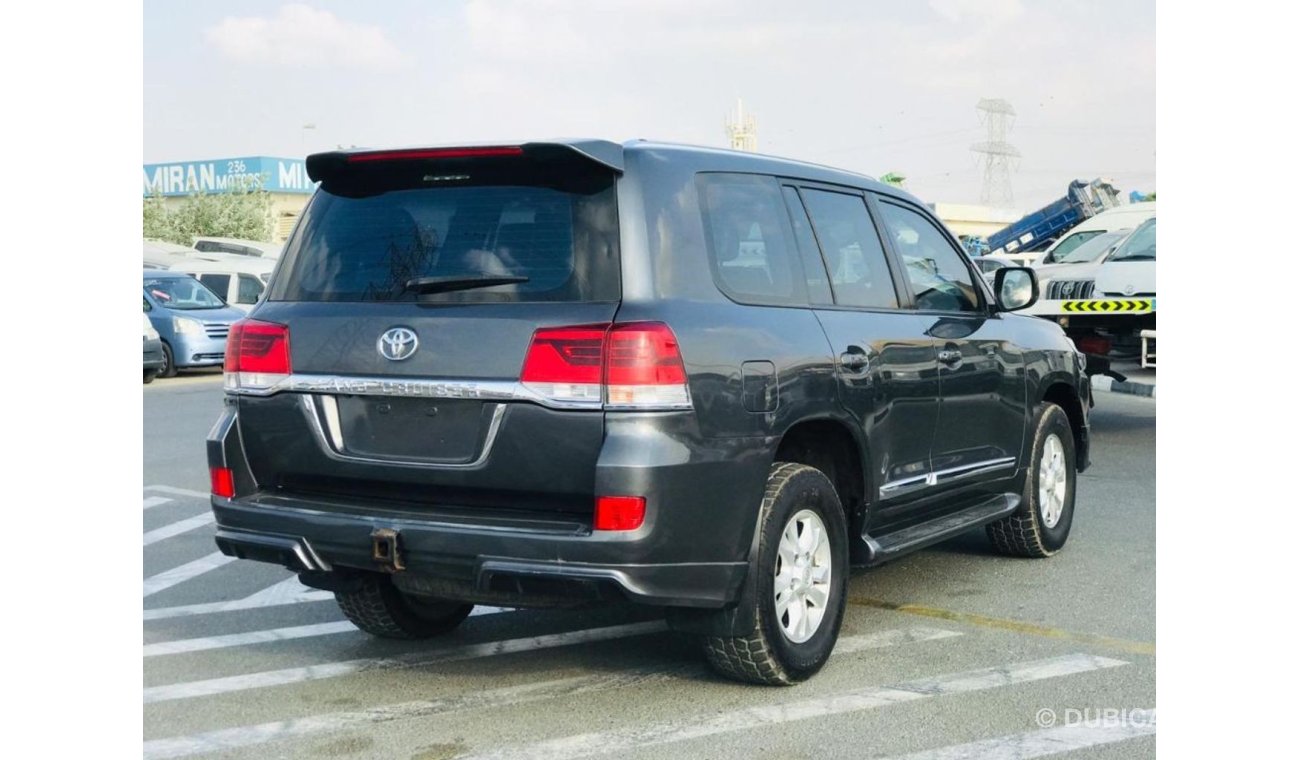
{"points": [[982, 384]]}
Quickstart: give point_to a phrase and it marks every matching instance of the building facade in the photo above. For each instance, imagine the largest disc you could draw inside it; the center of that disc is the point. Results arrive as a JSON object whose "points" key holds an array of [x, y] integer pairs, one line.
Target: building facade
{"points": [[284, 179]]}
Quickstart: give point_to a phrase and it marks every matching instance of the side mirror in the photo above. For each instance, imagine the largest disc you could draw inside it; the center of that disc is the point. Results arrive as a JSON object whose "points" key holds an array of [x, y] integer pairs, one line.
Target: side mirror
{"points": [[1016, 288]]}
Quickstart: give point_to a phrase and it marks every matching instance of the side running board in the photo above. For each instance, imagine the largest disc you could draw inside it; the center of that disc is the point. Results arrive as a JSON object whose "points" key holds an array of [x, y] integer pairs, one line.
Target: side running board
{"points": [[893, 545]]}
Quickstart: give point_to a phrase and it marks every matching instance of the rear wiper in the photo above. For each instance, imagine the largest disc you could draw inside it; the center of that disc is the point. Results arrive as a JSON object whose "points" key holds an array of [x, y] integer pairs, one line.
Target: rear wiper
{"points": [[448, 284]]}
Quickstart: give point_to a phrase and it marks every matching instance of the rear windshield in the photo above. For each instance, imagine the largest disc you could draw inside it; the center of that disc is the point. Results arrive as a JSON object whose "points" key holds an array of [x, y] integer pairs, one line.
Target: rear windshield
{"points": [[367, 239]]}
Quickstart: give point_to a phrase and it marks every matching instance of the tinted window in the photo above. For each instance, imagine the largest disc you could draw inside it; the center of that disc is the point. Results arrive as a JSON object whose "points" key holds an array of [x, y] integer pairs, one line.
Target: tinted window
{"points": [[851, 248], [1141, 245], [1074, 241], [250, 289], [364, 240], [207, 245], [220, 283], [819, 288], [939, 276], [185, 293], [750, 244]]}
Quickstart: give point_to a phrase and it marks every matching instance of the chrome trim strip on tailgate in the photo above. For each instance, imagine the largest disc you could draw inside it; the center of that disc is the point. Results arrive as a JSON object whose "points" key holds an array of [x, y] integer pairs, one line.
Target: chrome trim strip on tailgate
{"points": [[357, 385], [331, 442]]}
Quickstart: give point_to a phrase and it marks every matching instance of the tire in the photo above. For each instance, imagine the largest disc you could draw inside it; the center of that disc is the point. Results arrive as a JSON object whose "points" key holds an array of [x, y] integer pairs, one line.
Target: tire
{"points": [[169, 368], [770, 655], [149, 375], [1040, 527], [378, 608]]}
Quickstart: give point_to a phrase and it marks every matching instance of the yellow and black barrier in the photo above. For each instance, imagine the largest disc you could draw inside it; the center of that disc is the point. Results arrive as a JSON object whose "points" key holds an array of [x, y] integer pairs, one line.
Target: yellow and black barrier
{"points": [[1110, 306]]}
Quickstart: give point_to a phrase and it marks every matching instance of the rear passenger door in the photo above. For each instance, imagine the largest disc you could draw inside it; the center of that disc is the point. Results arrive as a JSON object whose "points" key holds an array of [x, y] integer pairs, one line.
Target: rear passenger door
{"points": [[886, 366], [983, 412]]}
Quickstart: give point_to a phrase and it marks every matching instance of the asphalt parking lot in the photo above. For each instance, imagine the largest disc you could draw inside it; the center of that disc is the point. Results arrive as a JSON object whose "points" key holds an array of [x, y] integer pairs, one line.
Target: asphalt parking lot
{"points": [[953, 652]]}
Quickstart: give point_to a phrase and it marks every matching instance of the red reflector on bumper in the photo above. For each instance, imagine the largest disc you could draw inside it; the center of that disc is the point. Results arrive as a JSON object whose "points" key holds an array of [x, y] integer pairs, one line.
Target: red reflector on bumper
{"points": [[619, 512], [223, 482]]}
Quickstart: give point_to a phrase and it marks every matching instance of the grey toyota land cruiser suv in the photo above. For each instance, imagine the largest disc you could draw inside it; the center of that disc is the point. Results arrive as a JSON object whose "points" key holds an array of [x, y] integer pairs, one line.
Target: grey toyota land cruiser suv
{"points": [[568, 371]]}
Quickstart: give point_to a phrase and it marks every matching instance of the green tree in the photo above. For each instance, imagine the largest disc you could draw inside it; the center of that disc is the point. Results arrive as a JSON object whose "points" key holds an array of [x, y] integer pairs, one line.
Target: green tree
{"points": [[241, 212]]}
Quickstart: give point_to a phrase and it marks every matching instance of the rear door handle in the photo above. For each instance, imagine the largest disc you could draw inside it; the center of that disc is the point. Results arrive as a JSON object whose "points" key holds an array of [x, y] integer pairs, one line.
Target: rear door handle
{"points": [[949, 356]]}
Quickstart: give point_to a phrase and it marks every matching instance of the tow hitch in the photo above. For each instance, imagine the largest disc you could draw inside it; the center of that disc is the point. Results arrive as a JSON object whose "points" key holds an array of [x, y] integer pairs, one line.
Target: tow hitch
{"points": [[386, 549]]}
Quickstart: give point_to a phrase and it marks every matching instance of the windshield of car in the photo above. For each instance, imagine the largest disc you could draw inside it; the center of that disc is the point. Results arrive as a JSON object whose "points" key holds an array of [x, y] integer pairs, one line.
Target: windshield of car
{"points": [[185, 293], [1141, 245], [1093, 249], [1070, 242]]}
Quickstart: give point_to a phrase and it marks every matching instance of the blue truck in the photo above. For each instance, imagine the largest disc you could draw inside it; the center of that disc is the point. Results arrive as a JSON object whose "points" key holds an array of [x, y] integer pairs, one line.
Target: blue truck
{"points": [[1037, 230]]}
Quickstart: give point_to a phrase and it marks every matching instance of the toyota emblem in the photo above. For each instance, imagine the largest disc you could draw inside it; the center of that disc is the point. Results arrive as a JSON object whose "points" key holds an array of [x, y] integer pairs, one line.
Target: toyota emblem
{"points": [[398, 343]]}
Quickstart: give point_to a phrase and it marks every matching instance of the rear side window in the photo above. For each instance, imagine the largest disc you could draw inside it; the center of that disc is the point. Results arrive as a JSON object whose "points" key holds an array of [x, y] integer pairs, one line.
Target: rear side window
{"points": [[365, 240], [849, 243], [250, 289], [751, 248], [220, 283]]}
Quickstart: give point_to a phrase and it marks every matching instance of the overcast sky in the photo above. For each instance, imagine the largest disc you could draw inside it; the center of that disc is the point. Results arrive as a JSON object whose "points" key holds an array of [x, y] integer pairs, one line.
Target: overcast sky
{"points": [[871, 86]]}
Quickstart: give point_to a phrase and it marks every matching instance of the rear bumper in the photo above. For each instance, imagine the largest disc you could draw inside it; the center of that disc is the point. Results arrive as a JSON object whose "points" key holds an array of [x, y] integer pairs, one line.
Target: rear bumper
{"points": [[472, 564], [692, 551]]}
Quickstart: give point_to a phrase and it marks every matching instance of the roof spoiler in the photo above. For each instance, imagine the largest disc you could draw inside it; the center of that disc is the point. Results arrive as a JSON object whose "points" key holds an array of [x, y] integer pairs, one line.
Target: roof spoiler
{"points": [[321, 166]]}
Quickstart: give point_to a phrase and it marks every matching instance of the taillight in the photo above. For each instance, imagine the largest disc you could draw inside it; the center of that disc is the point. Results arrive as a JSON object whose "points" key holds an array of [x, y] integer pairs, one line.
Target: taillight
{"points": [[564, 363], [257, 355], [627, 366], [619, 513], [643, 368], [223, 481]]}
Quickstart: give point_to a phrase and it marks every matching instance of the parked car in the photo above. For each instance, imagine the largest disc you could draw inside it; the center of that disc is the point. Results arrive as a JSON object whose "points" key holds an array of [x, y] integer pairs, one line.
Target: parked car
{"points": [[239, 280], [1073, 276], [238, 247], [1103, 293], [154, 361], [191, 320], [1120, 217], [694, 379]]}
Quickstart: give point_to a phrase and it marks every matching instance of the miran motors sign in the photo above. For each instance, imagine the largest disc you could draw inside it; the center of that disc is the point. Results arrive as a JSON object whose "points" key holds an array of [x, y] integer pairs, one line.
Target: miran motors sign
{"points": [[276, 175]]}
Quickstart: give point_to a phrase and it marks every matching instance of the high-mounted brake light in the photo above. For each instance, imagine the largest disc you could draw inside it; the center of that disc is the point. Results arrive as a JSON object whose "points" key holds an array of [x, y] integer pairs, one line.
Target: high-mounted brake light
{"points": [[434, 153], [257, 355], [627, 366]]}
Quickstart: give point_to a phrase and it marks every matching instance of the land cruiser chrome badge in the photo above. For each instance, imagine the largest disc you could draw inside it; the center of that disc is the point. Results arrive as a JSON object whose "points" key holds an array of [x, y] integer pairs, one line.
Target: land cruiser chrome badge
{"points": [[398, 343]]}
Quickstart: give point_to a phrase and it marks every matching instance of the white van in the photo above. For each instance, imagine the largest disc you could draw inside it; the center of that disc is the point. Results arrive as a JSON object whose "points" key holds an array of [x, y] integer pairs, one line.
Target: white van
{"points": [[1118, 218], [240, 280]]}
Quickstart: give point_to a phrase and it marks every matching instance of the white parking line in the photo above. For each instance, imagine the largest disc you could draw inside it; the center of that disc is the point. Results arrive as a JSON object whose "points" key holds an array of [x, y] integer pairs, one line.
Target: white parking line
{"points": [[1047, 741], [245, 736], [177, 528], [287, 591], [751, 718], [229, 684], [250, 637], [263, 637], [180, 492], [166, 580], [153, 501], [251, 603]]}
